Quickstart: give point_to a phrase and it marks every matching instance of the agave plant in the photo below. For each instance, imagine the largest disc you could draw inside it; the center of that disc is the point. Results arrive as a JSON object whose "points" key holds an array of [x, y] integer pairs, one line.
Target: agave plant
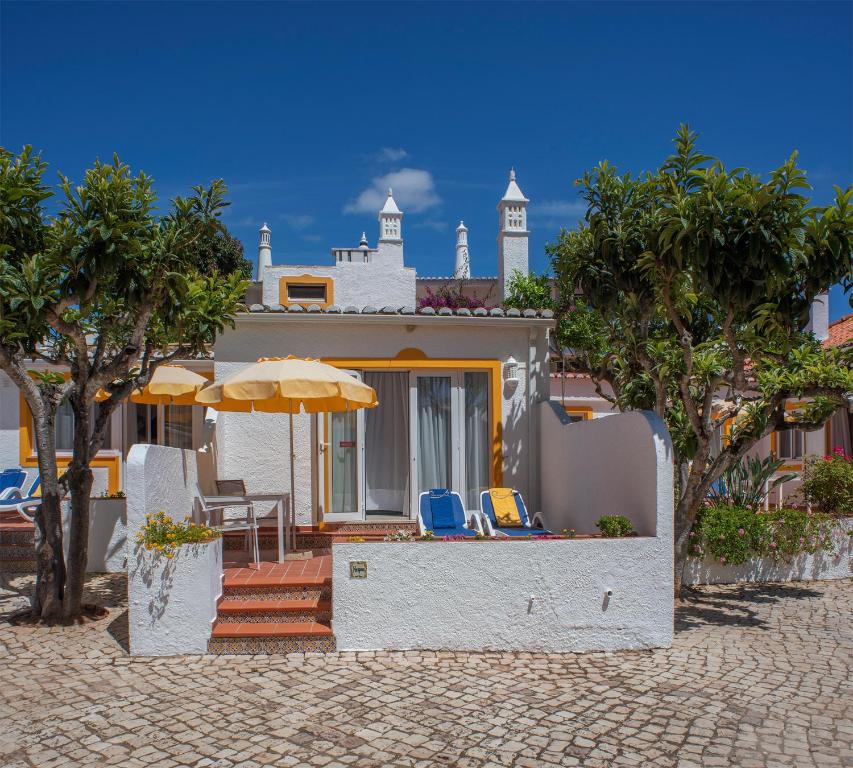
{"points": [[749, 482]]}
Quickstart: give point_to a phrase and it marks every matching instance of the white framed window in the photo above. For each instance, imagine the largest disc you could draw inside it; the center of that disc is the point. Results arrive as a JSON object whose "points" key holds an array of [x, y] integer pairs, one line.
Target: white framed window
{"points": [[177, 426], [790, 444]]}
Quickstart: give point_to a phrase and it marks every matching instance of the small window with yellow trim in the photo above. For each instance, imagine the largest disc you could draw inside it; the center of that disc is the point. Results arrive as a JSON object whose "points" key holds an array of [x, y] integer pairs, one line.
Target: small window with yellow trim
{"points": [[578, 412], [306, 290]]}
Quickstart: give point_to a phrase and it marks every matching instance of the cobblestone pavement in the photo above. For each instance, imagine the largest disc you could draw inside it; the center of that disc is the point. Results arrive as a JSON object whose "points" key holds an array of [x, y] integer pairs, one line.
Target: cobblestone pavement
{"points": [[758, 676]]}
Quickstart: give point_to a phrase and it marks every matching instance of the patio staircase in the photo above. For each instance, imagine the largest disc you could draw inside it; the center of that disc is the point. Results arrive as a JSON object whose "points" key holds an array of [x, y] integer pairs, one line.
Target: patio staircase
{"points": [[284, 607], [17, 546], [278, 608]]}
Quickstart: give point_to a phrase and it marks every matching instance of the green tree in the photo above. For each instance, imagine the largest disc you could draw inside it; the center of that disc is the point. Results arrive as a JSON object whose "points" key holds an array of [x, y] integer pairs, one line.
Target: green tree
{"points": [[696, 285], [529, 291], [218, 252], [107, 292]]}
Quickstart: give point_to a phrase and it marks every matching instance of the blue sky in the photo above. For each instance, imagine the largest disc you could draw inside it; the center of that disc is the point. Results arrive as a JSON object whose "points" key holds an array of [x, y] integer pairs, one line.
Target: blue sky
{"points": [[308, 110]]}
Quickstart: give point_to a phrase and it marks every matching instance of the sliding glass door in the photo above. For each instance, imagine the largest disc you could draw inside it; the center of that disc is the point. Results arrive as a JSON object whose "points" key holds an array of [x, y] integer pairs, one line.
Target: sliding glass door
{"points": [[431, 429], [451, 439]]}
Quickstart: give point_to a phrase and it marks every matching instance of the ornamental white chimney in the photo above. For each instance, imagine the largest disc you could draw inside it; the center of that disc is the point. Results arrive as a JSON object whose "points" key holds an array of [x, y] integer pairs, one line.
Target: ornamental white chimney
{"points": [[512, 235], [264, 252], [462, 271], [389, 249]]}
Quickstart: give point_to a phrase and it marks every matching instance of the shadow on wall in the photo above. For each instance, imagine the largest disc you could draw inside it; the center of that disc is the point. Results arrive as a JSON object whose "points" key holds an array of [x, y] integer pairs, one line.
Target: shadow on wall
{"points": [[155, 568]]}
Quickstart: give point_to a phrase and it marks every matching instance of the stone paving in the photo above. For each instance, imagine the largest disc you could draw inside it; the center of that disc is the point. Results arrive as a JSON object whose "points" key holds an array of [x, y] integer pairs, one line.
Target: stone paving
{"points": [[758, 676]]}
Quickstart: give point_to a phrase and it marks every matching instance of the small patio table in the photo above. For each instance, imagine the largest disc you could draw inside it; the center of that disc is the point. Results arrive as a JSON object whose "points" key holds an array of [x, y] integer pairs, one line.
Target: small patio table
{"points": [[284, 514]]}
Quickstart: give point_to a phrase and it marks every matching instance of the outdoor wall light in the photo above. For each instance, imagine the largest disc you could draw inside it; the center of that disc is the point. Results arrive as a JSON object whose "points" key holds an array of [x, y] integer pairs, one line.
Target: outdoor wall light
{"points": [[511, 371], [848, 398]]}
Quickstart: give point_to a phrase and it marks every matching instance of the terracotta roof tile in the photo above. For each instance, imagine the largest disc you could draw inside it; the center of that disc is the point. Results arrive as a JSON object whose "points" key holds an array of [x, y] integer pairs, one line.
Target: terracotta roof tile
{"points": [[840, 332]]}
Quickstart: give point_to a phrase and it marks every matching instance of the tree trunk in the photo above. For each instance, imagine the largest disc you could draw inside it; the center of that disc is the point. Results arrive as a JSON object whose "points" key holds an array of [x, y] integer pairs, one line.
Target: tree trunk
{"points": [[80, 488], [49, 591], [47, 599], [693, 487]]}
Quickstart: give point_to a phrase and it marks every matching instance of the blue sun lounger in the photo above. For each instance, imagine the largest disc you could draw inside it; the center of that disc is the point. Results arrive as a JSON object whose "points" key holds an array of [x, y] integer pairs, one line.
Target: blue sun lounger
{"points": [[490, 523], [442, 512], [15, 499]]}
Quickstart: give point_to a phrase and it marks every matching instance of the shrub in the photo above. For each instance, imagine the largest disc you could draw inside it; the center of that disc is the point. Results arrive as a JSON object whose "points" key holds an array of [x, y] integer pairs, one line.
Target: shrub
{"points": [[162, 535], [400, 535], [614, 526], [828, 483], [748, 483], [447, 296], [731, 535], [792, 532], [428, 536]]}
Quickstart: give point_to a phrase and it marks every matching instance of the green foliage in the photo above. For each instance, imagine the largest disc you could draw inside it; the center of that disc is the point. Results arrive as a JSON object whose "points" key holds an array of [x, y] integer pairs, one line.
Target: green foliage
{"points": [[687, 290], [219, 253], [828, 483], [732, 535], [529, 291], [748, 483], [614, 526], [163, 536], [106, 290]]}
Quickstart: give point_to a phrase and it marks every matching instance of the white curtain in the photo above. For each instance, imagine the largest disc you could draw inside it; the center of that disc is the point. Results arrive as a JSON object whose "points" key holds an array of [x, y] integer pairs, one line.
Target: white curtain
{"points": [[433, 432], [179, 426], [839, 431], [386, 444], [476, 437]]}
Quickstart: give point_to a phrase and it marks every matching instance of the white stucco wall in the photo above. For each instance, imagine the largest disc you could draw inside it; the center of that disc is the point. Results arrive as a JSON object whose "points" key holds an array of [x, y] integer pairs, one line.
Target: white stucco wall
{"points": [[255, 446], [620, 465], [107, 545], [377, 283], [10, 422], [547, 595], [172, 603], [805, 567]]}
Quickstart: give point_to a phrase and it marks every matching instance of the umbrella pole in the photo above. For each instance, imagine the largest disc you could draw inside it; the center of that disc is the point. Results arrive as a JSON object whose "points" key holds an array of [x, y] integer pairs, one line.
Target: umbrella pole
{"points": [[292, 509]]}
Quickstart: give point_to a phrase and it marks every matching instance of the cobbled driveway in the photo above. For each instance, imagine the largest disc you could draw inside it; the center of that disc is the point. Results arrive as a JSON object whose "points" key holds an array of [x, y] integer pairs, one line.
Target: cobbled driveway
{"points": [[758, 676]]}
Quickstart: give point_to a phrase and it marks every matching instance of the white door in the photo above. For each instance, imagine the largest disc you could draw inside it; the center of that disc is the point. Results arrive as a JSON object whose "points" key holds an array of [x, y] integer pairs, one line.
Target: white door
{"points": [[342, 461]]}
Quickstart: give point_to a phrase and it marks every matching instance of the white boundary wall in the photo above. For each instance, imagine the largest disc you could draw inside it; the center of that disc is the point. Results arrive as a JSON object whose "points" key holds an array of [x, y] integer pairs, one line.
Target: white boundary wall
{"points": [[540, 595], [172, 603], [805, 567], [107, 550]]}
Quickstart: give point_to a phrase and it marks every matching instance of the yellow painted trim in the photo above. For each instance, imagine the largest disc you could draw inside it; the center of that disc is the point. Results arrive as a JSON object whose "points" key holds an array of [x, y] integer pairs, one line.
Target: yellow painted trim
{"points": [[579, 410], [287, 280], [28, 457], [413, 361]]}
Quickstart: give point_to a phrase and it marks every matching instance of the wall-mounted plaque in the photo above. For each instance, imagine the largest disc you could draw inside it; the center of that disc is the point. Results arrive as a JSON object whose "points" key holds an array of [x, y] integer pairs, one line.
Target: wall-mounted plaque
{"points": [[358, 569]]}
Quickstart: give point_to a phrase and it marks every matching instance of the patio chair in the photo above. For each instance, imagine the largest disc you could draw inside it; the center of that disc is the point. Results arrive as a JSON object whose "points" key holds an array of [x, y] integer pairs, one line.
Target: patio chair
{"points": [[442, 512], [249, 523], [14, 498], [504, 514]]}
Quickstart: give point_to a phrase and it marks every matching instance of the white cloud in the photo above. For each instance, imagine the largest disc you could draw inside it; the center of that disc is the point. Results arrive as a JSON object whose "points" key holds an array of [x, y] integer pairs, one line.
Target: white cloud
{"points": [[297, 221], [391, 154], [414, 191]]}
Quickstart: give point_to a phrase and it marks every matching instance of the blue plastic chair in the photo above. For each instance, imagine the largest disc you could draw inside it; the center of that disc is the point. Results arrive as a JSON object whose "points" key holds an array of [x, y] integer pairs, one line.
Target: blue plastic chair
{"points": [[491, 523], [442, 512]]}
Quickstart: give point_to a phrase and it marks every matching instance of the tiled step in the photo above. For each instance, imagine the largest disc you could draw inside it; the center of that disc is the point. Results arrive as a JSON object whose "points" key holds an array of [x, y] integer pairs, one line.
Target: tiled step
{"points": [[313, 538], [271, 637], [308, 610]]}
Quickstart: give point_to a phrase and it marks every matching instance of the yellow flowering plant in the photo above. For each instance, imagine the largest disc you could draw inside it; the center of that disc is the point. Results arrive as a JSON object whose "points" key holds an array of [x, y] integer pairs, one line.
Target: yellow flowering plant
{"points": [[162, 535]]}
